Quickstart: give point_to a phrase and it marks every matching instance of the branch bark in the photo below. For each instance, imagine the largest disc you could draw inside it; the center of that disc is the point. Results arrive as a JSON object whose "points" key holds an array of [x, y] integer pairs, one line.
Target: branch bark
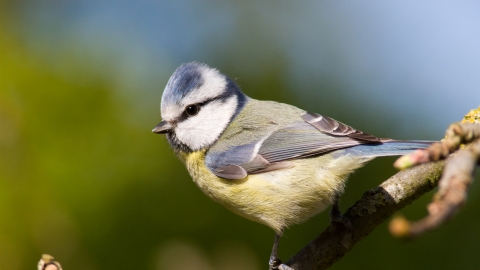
{"points": [[375, 206]]}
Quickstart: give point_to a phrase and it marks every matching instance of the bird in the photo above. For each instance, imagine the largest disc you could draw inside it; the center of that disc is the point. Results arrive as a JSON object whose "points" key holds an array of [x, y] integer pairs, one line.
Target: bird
{"points": [[270, 162]]}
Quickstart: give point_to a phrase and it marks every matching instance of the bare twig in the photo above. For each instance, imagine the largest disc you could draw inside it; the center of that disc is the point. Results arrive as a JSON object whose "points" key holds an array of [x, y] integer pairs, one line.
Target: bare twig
{"points": [[451, 195], [457, 134], [456, 179]]}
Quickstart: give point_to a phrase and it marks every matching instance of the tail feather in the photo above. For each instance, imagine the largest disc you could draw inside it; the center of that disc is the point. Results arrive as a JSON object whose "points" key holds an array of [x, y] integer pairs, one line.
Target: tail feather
{"points": [[388, 148]]}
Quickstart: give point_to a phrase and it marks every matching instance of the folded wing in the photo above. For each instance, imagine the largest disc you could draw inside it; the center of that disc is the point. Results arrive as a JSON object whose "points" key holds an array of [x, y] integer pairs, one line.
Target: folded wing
{"points": [[315, 135]]}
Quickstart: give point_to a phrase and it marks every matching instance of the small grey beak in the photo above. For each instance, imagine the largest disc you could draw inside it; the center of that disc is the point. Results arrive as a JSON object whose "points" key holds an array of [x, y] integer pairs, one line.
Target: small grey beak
{"points": [[163, 127]]}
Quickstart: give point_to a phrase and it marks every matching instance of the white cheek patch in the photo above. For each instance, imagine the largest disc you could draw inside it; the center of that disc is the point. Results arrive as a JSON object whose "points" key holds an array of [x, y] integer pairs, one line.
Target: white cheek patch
{"points": [[206, 127], [214, 85]]}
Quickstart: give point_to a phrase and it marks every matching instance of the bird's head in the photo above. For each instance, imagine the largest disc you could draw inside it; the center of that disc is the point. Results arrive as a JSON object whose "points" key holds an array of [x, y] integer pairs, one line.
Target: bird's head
{"points": [[197, 105]]}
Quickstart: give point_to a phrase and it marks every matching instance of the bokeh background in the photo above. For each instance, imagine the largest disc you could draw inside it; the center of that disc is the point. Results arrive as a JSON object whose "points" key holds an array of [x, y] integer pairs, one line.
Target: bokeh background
{"points": [[83, 178]]}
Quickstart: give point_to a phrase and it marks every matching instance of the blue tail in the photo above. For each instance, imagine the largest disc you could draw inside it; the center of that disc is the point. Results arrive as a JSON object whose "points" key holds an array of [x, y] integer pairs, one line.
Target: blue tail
{"points": [[388, 148]]}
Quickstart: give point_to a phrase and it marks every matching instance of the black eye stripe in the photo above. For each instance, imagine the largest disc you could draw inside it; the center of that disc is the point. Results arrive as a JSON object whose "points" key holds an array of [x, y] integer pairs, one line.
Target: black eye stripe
{"points": [[223, 98]]}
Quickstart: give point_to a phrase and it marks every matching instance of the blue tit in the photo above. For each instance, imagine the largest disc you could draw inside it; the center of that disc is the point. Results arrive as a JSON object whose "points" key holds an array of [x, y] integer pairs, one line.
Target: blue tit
{"points": [[269, 162]]}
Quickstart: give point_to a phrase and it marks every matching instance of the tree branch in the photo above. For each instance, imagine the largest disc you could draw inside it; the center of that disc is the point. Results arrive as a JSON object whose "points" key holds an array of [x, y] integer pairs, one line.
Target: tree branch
{"points": [[456, 179], [375, 206], [451, 194]]}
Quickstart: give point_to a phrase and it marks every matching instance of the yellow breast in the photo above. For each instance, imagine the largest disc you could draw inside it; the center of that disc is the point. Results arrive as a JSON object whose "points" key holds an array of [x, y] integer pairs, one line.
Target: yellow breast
{"points": [[279, 198]]}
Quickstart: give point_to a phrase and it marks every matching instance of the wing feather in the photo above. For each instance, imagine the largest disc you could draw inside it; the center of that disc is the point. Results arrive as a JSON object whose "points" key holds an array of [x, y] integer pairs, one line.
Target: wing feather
{"points": [[330, 126], [315, 135]]}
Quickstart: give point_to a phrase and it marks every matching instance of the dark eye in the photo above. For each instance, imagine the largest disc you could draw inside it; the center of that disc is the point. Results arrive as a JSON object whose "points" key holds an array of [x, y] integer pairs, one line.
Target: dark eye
{"points": [[192, 110]]}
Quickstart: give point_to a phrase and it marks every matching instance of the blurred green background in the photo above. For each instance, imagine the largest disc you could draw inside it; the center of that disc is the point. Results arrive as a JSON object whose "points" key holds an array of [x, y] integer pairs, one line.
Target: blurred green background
{"points": [[84, 179]]}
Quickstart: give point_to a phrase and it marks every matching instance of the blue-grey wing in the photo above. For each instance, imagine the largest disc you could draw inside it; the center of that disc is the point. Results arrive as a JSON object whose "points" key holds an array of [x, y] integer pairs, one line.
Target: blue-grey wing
{"points": [[313, 136], [230, 164], [303, 140]]}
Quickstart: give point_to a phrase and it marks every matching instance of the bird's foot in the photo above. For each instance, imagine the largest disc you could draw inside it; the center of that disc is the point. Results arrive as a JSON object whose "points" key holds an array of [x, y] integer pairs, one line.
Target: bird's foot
{"points": [[342, 221], [276, 264], [336, 217]]}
